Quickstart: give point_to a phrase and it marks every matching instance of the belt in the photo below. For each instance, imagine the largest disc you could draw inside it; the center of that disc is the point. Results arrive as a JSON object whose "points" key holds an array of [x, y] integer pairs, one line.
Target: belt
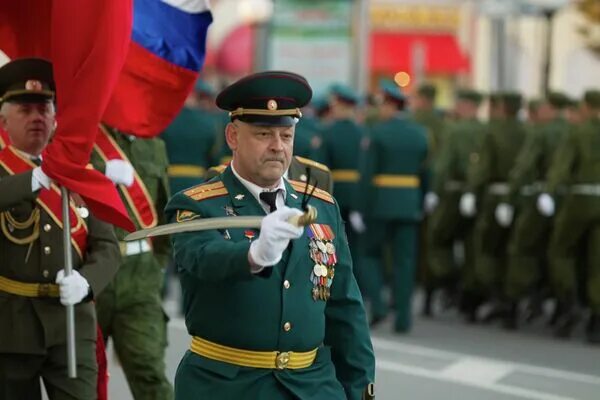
{"points": [[135, 247], [586, 189], [345, 175], [454, 186], [185, 170], [396, 181], [253, 359], [499, 188], [533, 189], [29, 289]]}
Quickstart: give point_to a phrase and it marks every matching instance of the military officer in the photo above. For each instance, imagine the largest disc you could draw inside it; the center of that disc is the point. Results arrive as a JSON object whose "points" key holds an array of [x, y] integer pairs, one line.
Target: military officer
{"points": [[190, 141], [424, 113], [33, 288], [486, 186], [528, 238], [130, 309], [273, 313], [446, 225], [392, 179], [577, 169]]}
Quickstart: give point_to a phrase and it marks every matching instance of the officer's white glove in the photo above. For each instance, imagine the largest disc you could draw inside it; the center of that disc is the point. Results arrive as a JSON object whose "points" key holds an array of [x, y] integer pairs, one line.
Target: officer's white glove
{"points": [[504, 214], [431, 202], [467, 205], [121, 172], [73, 288], [546, 205], [39, 180], [357, 222], [275, 235]]}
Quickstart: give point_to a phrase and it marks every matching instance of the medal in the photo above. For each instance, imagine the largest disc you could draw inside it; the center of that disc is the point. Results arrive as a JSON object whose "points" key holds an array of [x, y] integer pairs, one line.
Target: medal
{"points": [[322, 252], [249, 234]]}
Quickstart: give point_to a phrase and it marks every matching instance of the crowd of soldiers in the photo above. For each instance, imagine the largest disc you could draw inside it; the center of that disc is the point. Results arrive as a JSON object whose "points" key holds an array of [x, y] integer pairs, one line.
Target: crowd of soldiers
{"points": [[493, 215]]}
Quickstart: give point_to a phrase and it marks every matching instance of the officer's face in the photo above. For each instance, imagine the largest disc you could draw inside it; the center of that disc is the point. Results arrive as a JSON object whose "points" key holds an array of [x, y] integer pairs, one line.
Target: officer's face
{"points": [[29, 125], [261, 154]]}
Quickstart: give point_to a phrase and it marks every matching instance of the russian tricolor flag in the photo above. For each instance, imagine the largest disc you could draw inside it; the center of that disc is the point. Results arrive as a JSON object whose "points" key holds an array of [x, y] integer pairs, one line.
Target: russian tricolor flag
{"points": [[165, 55]]}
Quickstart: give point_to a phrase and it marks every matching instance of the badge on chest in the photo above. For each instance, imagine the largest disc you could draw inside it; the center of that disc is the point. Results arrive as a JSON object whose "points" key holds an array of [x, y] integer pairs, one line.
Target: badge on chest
{"points": [[322, 253]]}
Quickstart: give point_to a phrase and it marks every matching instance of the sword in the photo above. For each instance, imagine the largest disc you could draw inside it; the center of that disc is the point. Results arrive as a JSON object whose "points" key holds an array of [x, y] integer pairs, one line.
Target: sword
{"points": [[309, 217]]}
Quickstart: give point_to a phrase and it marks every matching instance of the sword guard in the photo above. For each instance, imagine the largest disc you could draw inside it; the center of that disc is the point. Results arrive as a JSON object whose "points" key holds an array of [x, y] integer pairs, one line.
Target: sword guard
{"points": [[309, 217]]}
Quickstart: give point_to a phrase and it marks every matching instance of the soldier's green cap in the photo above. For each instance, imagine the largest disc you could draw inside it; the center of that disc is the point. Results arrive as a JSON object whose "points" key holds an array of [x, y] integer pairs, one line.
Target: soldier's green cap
{"points": [[344, 93], [557, 100], [272, 98], [392, 91], [319, 104], [203, 88], [592, 98], [470, 95], [427, 90], [512, 100], [27, 80]]}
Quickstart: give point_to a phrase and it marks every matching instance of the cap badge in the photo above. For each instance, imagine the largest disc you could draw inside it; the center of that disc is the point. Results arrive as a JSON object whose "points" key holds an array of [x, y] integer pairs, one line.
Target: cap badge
{"points": [[272, 105], [33, 85]]}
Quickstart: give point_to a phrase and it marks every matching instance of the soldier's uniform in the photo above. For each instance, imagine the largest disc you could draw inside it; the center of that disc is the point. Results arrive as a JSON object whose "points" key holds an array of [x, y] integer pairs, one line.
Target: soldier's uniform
{"points": [[392, 178], [33, 335], [446, 225], [577, 164], [282, 333], [130, 309]]}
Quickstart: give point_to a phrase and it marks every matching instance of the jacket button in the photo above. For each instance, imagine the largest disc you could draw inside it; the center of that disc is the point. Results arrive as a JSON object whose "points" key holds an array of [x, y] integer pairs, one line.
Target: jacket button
{"points": [[47, 228], [45, 273], [47, 250], [286, 284], [287, 327]]}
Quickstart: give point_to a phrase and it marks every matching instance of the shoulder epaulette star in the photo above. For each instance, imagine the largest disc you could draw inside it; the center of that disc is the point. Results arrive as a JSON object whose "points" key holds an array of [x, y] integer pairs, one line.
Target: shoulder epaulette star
{"points": [[206, 191], [318, 193], [312, 163]]}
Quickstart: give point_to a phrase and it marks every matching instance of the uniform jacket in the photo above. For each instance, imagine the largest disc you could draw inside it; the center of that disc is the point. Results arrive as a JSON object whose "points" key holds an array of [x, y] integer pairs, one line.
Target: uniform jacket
{"points": [[31, 325], [226, 304]]}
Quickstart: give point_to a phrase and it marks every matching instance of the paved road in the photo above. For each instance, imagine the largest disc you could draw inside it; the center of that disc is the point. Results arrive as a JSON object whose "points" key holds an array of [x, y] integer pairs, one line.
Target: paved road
{"points": [[447, 359]]}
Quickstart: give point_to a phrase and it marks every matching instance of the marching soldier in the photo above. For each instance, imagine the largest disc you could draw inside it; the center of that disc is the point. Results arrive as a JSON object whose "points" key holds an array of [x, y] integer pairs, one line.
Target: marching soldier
{"points": [[33, 288], [446, 225], [425, 114], [273, 313], [529, 236], [392, 178], [577, 165]]}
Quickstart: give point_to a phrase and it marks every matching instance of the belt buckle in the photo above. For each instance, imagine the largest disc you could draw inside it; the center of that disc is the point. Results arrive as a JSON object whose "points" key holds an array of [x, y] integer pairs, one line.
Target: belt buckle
{"points": [[44, 290], [282, 360]]}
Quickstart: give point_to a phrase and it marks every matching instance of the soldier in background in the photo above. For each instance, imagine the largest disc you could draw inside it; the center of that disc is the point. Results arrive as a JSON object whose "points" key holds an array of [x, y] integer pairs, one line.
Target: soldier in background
{"points": [[529, 237], [392, 179], [577, 169], [446, 225]]}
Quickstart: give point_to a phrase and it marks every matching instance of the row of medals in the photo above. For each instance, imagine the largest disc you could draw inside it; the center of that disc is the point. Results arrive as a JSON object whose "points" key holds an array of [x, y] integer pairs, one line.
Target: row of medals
{"points": [[322, 252]]}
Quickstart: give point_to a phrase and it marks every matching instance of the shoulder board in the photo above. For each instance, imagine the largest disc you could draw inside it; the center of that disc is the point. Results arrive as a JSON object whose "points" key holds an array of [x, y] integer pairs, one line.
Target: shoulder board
{"points": [[311, 163], [206, 191], [318, 193], [218, 168]]}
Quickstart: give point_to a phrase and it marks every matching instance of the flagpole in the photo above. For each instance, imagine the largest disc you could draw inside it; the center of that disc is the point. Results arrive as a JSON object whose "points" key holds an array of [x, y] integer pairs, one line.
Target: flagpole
{"points": [[68, 260]]}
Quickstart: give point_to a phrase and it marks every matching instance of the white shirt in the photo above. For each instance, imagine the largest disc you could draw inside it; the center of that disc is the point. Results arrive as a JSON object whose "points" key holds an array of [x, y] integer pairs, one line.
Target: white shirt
{"points": [[256, 190]]}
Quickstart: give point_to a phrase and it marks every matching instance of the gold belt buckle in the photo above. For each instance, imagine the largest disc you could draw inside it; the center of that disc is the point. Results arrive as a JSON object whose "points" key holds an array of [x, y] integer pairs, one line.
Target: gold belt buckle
{"points": [[44, 289], [282, 360]]}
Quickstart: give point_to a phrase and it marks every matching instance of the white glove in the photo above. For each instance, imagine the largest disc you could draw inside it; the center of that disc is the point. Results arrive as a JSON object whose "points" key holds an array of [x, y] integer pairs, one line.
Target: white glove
{"points": [[73, 288], [39, 180], [504, 214], [431, 202], [357, 222], [467, 205], [120, 172], [546, 205], [275, 235]]}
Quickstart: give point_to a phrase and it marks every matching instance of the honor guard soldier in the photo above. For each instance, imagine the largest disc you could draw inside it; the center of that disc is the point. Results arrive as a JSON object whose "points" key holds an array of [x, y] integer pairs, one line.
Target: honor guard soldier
{"points": [[33, 287], [392, 178], [274, 313]]}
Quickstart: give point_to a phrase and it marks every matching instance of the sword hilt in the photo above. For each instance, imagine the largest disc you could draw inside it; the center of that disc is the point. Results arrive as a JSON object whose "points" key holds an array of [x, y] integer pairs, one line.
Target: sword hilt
{"points": [[309, 217]]}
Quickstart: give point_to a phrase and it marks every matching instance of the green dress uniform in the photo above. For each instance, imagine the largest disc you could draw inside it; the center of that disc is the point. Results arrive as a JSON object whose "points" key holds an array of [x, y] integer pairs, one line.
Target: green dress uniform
{"points": [[307, 140], [488, 176], [392, 177], [577, 164], [190, 142], [296, 330], [530, 233], [130, 309]]}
